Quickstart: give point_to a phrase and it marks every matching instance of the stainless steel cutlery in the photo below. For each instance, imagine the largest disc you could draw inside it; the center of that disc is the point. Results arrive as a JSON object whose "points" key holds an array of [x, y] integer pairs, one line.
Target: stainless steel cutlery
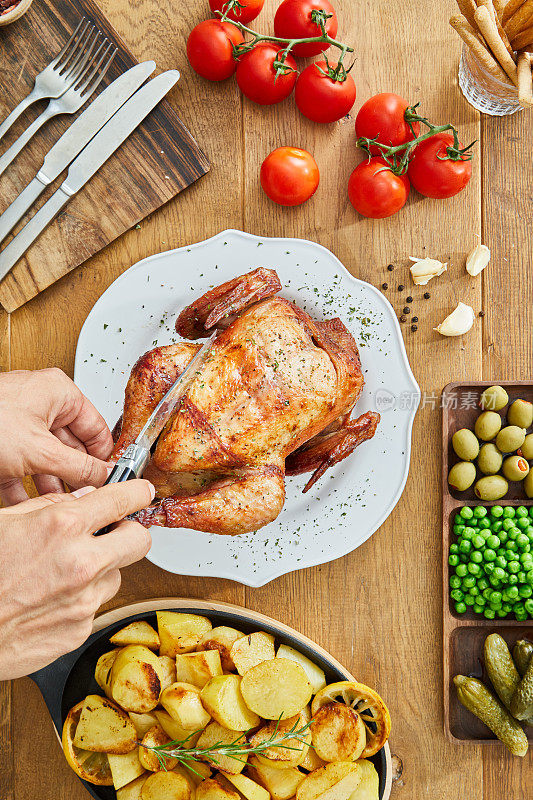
{"points": [[94, 156]]}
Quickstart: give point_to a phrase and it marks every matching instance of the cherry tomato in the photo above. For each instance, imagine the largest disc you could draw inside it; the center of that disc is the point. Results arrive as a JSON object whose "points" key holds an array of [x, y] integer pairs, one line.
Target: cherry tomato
{"points": [[322, 98], [434, 175], [376, 192], [289, 176], [243, 11], [383, 117], [210, 49], [257, 78], [293, 21]]}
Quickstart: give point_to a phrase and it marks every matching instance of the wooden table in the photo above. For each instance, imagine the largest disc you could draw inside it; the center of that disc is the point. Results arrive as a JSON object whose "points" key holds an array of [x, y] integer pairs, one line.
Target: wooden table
{"points": [[379, 609]]}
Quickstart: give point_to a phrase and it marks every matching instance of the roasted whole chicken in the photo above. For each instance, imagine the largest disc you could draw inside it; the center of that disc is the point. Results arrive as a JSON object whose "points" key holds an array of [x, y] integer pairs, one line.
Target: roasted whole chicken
{"points": [[273, 398]]}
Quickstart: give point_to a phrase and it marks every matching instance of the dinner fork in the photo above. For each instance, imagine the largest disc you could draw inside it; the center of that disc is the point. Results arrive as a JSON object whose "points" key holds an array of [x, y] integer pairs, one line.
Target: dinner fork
{"points": [[57, 77], [91, 71]]}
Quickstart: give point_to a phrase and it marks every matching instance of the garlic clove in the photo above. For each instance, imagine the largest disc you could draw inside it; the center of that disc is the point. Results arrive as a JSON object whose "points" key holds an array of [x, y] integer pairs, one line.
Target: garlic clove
{"points": [[478, 259], [458, 322], [424, 269]]}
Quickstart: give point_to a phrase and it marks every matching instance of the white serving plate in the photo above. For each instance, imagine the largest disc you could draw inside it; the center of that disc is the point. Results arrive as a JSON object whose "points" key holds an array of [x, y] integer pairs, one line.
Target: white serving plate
{"points": [[138, 311]]}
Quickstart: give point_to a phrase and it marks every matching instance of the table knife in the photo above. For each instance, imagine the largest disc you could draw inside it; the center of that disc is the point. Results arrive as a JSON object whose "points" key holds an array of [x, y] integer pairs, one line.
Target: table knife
{"points": [[87, 164], [78, 135], [136, 456]]}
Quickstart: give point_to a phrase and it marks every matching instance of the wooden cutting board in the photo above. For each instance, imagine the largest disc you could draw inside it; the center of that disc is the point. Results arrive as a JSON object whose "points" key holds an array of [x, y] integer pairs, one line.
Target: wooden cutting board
{"points": [[156, 163]]}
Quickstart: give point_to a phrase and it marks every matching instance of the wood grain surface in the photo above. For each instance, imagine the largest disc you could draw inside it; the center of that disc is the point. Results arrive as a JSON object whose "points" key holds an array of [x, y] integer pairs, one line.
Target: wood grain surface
{"points": [[379, 610], [157, 162]]}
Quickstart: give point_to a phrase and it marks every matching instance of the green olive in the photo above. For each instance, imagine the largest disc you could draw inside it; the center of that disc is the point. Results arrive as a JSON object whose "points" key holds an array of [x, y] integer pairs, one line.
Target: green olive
{"points": [[494, 398], [492, 487], [462, 475], [515, 468], [487, 425], [510, 438], [489, 459], [520, 413], [465, 444], [528, 484], [526, 449]]}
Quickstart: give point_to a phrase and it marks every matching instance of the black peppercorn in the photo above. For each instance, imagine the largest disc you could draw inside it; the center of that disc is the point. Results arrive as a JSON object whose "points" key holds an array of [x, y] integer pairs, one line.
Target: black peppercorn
{"points": [[414, 328], [406, 310], [384, 285], [390, 267], [414, 319], [409, 299], [426, 295], [481, 313], [401, 287], [403, 318]]}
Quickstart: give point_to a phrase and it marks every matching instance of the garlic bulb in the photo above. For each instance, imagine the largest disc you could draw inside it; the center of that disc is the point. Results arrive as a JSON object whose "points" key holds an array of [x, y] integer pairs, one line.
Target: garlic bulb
{"points": [[478, 259], [458, 322], [424, 269]]}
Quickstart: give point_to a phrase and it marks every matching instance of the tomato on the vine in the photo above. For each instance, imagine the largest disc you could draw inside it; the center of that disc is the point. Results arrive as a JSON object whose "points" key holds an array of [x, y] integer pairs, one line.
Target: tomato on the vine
{"points": [[322, 97], [294, 20], [210, 49], [289, 176], [240, 11], [375, 191], [383, 117], [257, 78], [432, 173]]}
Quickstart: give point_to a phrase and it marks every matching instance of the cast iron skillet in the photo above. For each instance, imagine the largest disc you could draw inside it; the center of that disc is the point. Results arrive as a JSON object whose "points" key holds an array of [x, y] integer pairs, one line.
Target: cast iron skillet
{"points": [[68, 680]]}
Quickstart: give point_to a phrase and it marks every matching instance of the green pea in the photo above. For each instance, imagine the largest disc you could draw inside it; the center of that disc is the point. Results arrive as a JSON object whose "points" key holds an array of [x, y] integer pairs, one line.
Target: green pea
{"points": [[510, 438], [465, 545], [521, 576], [458, 529], [509, 512], [481, 601], [457, 594], [496, 512], [525, 591], [513, 567], [453, 559], [489, 555], [521, 511], [489, 613], [482, 584], [454, 548], [484, 525], [513, 532], [465, 444], [486, 593], [458, 520], [529, 577], [480, 512], [512, 580], [478, 541], [494, 397], [508, 523], [461, 570], [501, 613], [493, 541], [469, 532], [469, 600], [466, 512], [528, 605], [489, 568], [522, 540], [455, 582], [499, 574], [523, 523], [474, 569], [507, 607], [477, 608], [460, 608], [512, 592], [474, 591], [469, 582], [520, 414], [476, 557], [496, 597], [497, 526]]}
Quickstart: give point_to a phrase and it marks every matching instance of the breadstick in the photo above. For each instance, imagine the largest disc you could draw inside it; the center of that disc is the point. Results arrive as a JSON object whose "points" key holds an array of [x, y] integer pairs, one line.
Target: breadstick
{"points": [[520, 19], [499, 6], [501, 33], [488, 28], [525, 83], [523, 39], [488, 4], [467, 8], [509, 10], [479, 51]]}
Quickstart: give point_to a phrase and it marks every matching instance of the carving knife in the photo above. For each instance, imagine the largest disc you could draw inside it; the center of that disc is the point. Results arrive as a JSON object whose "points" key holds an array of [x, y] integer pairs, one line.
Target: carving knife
{"points": [[136, 456], [74, 140], [87, 164]]}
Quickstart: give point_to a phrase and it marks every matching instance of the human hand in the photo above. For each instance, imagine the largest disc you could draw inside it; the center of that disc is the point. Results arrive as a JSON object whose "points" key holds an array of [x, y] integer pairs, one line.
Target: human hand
{"points": [[55, 574], [50, 431]]}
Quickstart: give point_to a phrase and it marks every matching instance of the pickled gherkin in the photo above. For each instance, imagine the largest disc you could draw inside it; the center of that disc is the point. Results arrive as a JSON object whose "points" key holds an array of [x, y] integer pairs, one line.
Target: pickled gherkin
{"points": [[522, 652], [501, 668], [522, 701]]}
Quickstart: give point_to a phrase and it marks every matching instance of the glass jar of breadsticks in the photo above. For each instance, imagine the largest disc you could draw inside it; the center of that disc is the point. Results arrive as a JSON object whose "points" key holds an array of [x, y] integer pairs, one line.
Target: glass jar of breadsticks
{"points": [[495, 68]]}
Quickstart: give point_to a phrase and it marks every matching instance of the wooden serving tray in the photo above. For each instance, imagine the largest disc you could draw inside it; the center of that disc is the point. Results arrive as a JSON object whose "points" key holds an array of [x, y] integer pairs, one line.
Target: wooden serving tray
{"points": [[158, 161], [464, 634]]}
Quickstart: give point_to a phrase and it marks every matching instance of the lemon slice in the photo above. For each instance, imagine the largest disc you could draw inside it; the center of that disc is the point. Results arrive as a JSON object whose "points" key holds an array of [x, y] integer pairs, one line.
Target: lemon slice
{"points": [[89, 766], [367, 703]]}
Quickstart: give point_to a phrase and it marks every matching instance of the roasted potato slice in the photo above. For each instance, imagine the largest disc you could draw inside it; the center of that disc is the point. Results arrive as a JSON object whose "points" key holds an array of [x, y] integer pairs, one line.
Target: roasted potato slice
{"points": [[251, 650], [212, 789], [167, 672], [140, 632], [143, 722], [135, 682], [103, 727], [336, 781], [215, 734], [367, 703], [175, 731], [125, 768], [296, 748], [133, 790], [276, 689], [198, 668], [221, 639], [155, 737], [311, 761], [180, 633], [368, 789], [102, 672], [166, 786], [281, 784], [222, 698], [248, 788], [182, 701], [90, 766], [195, 771], [315, 675], [338, 732]]}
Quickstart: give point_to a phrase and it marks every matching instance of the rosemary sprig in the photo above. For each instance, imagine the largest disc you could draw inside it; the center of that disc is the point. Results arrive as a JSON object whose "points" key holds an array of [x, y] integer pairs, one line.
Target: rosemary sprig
{"points": [[239, 749]]}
